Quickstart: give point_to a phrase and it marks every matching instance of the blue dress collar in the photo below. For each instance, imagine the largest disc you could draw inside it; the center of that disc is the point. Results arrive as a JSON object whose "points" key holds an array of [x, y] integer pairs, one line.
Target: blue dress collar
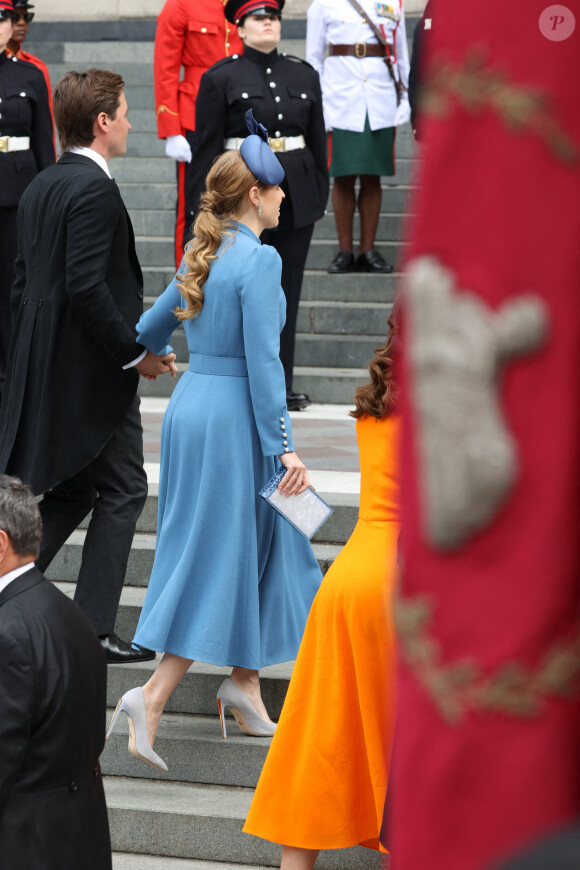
{"points": [[245, 229]]}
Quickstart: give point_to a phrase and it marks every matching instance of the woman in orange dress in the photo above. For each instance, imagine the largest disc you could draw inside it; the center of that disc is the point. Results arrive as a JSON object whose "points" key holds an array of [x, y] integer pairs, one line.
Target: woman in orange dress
{"points": [[324, 782]]}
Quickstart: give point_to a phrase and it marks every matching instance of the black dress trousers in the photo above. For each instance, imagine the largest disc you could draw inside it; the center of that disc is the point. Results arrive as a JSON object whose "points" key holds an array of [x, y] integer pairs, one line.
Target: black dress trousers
{"points": [[114, 487]]}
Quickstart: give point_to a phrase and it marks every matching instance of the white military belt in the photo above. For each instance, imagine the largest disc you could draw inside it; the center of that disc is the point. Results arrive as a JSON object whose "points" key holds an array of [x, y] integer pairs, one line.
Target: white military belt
{"points": [[278, 143], [14, 143]]}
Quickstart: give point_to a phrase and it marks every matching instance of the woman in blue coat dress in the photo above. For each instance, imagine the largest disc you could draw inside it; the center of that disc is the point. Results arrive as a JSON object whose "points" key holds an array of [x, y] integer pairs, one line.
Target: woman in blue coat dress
{"points": [[232, 581]]}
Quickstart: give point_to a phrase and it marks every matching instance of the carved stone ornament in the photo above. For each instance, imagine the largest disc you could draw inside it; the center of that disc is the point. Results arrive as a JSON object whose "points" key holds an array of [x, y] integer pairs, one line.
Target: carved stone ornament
{"points": [[467, 457]]}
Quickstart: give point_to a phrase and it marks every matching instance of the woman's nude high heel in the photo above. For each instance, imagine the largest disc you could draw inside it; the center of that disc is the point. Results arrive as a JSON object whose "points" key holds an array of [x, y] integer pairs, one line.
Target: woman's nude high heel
{"points": [[230, 697], [133, 704]]}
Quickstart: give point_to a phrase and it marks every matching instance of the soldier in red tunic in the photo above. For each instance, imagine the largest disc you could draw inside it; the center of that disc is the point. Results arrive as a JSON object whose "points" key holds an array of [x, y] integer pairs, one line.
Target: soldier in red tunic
{"points": [[487, 752], [192, 34]]}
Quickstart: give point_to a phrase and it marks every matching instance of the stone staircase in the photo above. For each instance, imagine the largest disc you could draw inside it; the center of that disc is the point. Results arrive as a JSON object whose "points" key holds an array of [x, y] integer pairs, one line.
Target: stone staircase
{"points": [[342, 318], [191, 817]]}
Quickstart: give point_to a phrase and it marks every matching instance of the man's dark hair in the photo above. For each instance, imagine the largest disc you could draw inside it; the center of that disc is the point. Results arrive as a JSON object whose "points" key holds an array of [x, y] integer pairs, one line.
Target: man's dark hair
{"points": [[20, 516], [79, 98]]}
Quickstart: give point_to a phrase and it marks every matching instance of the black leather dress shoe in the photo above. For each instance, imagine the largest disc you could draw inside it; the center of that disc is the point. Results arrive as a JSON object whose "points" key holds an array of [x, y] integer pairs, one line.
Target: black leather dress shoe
{"points": [[120, 652], [371, 261], [343, 262], [297, 401]]}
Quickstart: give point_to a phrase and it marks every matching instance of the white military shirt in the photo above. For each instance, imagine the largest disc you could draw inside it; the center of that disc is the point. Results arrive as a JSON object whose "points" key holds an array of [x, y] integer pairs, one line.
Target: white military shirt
{"points": [[353, 87]]}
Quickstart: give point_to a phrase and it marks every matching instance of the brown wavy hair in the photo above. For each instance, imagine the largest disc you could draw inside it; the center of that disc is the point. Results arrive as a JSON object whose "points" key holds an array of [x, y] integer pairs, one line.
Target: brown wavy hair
{"points": [[227, 183], [380, 397]]}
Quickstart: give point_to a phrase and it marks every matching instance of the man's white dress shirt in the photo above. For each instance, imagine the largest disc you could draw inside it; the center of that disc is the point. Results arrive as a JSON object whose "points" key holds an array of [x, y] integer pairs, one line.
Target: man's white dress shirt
{"points": [[353, 87]]}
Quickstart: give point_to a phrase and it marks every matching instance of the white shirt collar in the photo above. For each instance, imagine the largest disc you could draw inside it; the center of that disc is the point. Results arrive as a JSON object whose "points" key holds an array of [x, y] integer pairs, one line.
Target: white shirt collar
{"points": [[98, 158], [12, 575]]}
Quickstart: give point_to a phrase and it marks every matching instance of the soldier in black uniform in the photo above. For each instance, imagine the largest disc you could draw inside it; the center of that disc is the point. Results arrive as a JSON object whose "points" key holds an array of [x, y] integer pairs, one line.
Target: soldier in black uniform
{"points": [[26, 147], [284, 92]]}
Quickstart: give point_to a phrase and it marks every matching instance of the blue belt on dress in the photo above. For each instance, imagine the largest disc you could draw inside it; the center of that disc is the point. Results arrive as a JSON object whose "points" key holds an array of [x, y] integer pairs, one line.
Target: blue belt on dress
{"points": [[227, 366]]}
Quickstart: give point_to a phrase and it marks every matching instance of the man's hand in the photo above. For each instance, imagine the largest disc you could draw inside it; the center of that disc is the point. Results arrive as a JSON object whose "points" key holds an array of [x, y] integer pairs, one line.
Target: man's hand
{"points": [[178, 147], [152, 365]]}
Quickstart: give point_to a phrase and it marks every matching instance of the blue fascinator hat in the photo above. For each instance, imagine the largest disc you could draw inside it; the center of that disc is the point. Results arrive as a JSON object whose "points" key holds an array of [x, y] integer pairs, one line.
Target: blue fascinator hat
{"points": [[258, 155]]}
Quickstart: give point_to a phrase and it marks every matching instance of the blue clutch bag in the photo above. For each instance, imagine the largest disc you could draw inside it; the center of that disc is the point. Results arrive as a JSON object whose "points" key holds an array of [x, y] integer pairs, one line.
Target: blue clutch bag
{"points": [[307, 512]]}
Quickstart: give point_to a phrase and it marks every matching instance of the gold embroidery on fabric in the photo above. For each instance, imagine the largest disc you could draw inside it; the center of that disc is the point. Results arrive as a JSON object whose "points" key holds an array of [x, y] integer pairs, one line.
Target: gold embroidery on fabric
{"points": [[459, 687], [163, 108], [476, 87]]}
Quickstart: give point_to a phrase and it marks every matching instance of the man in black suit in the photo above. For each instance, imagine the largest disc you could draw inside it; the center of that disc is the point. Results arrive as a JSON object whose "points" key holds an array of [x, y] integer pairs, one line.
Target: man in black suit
{"points": [[70, 425], [52, 709]]}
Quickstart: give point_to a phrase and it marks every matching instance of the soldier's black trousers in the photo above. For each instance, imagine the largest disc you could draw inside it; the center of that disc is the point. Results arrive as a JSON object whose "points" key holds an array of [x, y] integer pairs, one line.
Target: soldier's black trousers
{"points": [[292, 245]]}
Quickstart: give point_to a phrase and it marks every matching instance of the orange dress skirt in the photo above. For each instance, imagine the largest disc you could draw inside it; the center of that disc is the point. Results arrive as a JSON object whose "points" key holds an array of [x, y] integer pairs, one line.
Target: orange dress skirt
{"points": [[324, 782]]}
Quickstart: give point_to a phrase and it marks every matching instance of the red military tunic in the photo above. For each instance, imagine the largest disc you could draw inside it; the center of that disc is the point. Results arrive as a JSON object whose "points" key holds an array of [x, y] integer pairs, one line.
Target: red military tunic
{"points": [[487, 752], [192, 34]]}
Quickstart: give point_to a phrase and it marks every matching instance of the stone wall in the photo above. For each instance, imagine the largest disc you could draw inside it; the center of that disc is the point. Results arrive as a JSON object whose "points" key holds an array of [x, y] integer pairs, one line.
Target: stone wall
{"points": [[114, 10]]}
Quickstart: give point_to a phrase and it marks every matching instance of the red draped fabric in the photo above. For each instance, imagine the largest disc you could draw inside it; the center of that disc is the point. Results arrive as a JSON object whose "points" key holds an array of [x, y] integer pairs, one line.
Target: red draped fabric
{"points": [[488, 763]]}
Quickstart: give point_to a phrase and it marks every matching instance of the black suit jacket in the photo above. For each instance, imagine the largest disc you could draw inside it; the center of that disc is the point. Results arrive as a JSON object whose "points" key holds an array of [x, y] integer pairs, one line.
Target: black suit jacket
{"points": [[292, 108], [52, 721], [75, 302]]}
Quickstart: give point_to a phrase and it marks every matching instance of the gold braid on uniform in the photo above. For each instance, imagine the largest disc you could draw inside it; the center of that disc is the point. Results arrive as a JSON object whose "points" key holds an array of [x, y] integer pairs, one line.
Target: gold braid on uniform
{"points": [[476, 86], [459, 687]]}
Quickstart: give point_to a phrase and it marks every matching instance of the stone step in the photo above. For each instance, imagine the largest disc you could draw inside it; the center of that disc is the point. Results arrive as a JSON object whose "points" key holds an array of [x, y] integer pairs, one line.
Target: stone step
{"points": [[156, 195], [335, 350], [109, 52], [124, 861], [329, 385], [133, 73], [318, 318], [391, 227], [145, 170], [338, 351], [200, 821], [336, 530], [156, 221], [160, 251], [161, 195], [317, 285], [66, 564], [130, 605], [193, 749], [343, 318], [148, 170], [322, 251], [324, 385], [196, 693]]}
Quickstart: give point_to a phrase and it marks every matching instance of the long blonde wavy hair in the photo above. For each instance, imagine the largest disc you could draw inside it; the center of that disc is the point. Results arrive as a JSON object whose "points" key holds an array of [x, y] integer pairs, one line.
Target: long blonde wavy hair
{"points": [[227, 183]]}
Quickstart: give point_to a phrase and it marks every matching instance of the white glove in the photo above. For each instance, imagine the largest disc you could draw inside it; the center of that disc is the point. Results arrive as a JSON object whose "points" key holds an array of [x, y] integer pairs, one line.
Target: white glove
{"points": [[178, 147], [403, 112]]}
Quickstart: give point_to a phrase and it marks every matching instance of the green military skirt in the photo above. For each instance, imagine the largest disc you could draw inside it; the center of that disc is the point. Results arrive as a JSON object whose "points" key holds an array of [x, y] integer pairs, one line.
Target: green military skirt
{"points": [[371, 152]]}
